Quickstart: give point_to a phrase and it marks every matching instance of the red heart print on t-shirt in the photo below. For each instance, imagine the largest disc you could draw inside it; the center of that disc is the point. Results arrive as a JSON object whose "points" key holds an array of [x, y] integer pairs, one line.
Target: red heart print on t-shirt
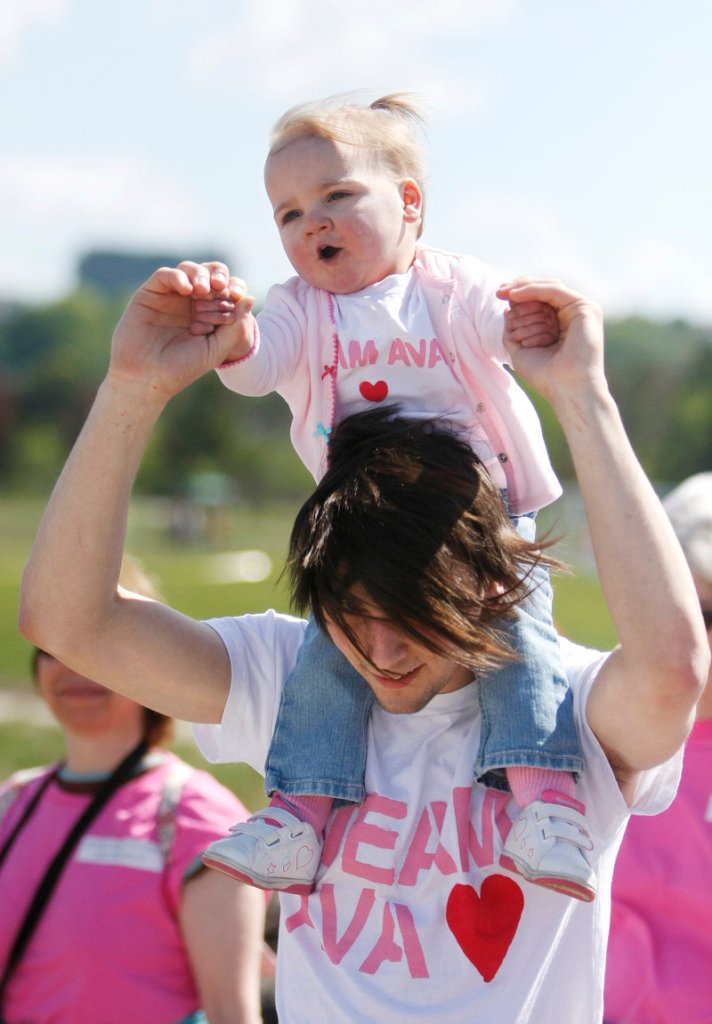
{"points": [[485, 924], [374, 392]]}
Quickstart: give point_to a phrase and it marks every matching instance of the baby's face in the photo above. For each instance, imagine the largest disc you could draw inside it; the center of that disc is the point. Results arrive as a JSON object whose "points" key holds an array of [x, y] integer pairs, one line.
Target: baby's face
{"points": [[345, 222]]}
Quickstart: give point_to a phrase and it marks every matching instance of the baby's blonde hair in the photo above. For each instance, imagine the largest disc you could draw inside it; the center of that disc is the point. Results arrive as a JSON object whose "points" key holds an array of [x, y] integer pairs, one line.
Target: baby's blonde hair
{"points": [[384, 129]]}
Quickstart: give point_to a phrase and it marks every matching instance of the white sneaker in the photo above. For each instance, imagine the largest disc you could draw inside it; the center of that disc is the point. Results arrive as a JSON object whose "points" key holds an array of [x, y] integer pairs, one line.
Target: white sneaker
{"points": [[547, 845], [282, 856]]}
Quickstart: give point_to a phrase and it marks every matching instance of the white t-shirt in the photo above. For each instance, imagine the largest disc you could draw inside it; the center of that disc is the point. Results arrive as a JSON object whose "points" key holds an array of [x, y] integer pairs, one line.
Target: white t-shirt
{"points": [[389, 351], [412, 919]]}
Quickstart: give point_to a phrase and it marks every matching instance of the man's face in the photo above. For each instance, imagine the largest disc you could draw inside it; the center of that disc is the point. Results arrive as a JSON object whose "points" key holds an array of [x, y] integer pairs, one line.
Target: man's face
{"points": [[403, 674], [343, 223]]}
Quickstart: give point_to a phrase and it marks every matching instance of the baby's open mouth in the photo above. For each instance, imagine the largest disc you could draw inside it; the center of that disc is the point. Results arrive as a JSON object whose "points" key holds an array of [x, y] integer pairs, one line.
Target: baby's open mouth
{"points": [[328, 252]]}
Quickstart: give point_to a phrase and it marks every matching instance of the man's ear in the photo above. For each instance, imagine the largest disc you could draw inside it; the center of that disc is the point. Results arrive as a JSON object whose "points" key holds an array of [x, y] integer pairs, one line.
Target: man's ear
{"points": [[412, 200]]}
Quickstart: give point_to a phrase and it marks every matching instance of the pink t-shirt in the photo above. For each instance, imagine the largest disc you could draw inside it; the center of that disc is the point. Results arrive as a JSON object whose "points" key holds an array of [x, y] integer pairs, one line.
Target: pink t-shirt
{"points": [[659, 967], [108, 948]]}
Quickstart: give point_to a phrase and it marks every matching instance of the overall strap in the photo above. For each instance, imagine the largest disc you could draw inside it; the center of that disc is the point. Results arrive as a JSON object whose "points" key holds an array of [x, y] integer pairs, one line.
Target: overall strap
{"points": [[29, 809], [170, 798], [52, 875]]}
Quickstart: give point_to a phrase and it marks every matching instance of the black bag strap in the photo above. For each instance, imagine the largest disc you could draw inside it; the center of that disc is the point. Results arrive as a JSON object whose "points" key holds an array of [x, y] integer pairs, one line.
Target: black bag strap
{"points": [[52, 875], [28, 811]]}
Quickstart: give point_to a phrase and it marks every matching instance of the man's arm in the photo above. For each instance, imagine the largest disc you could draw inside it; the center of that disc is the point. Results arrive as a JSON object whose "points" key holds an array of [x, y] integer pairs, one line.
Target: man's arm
{"points": [[642, 703], [71, 605]]}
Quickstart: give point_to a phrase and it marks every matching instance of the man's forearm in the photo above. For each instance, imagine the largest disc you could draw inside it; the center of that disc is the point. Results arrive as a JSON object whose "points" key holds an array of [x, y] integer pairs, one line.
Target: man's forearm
{"points": [[72, 573], [643, 573]]}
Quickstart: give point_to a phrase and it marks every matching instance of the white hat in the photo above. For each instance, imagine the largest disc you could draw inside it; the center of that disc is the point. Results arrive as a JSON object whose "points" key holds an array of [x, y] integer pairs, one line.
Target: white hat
{"points": [[689, 508]]}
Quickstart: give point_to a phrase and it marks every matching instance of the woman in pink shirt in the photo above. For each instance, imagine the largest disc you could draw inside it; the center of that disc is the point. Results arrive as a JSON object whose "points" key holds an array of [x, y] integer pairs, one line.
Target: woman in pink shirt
{"points": [[659, 966], [134, 929]]}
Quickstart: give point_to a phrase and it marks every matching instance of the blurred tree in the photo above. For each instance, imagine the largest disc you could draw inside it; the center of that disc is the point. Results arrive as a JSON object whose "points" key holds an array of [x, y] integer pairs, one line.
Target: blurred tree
{"points": [[661, 377], [52, 359], [208, 427], [686, 446], [650, 367]]}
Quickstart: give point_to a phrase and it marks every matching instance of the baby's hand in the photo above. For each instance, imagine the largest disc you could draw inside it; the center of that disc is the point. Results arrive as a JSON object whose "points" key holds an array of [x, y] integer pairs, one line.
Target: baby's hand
{"points": [[553, 358], [537, 323], [166, 341], [226, 309]]}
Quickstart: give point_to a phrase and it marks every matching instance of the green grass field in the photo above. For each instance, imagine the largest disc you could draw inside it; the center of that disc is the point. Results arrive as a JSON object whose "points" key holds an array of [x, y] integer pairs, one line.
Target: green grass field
{"points": [[186, 573]]}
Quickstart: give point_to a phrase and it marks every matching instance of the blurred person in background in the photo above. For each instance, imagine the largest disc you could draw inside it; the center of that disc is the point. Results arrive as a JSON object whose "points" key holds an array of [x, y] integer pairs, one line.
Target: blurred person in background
{"points": [[128, 926], [659, 967]]}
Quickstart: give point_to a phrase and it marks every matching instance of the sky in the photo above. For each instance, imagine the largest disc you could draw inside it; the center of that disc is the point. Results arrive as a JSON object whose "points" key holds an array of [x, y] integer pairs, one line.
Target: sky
{"points": [[565, 137]]}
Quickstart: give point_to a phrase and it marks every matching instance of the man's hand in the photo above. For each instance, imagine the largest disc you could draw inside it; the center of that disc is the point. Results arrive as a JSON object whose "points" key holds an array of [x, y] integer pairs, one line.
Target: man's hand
{"points": [[181, 323], [553, 365]]}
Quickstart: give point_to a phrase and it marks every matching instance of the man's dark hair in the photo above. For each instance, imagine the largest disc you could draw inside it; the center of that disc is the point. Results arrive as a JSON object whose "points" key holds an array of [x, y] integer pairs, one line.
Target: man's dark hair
{"points": [[407, 511]]}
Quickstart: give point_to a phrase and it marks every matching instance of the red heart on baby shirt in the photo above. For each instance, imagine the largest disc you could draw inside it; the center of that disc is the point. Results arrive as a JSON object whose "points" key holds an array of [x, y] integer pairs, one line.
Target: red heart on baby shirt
{"points": [[485, 924], [374, 392]]}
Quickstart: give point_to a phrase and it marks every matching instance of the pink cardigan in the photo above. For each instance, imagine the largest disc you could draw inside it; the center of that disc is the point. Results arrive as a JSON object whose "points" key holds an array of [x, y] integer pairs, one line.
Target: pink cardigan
{"points": [[295, 354]]}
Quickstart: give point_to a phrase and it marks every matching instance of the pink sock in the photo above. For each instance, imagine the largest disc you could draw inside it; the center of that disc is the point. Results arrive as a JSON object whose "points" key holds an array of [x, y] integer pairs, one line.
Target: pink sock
{"points": [[528, 784], [313, 809]]}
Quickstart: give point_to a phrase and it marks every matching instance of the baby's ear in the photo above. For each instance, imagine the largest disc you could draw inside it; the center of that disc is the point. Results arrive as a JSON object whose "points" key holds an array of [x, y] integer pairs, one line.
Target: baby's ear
{"points": [[412, 200]]}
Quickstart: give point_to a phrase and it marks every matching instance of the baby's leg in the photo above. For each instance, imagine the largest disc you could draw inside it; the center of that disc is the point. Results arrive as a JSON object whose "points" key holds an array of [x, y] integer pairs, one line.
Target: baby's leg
{"points": [[530, 745], [526, 704], [317, 755], [527, 784]]}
